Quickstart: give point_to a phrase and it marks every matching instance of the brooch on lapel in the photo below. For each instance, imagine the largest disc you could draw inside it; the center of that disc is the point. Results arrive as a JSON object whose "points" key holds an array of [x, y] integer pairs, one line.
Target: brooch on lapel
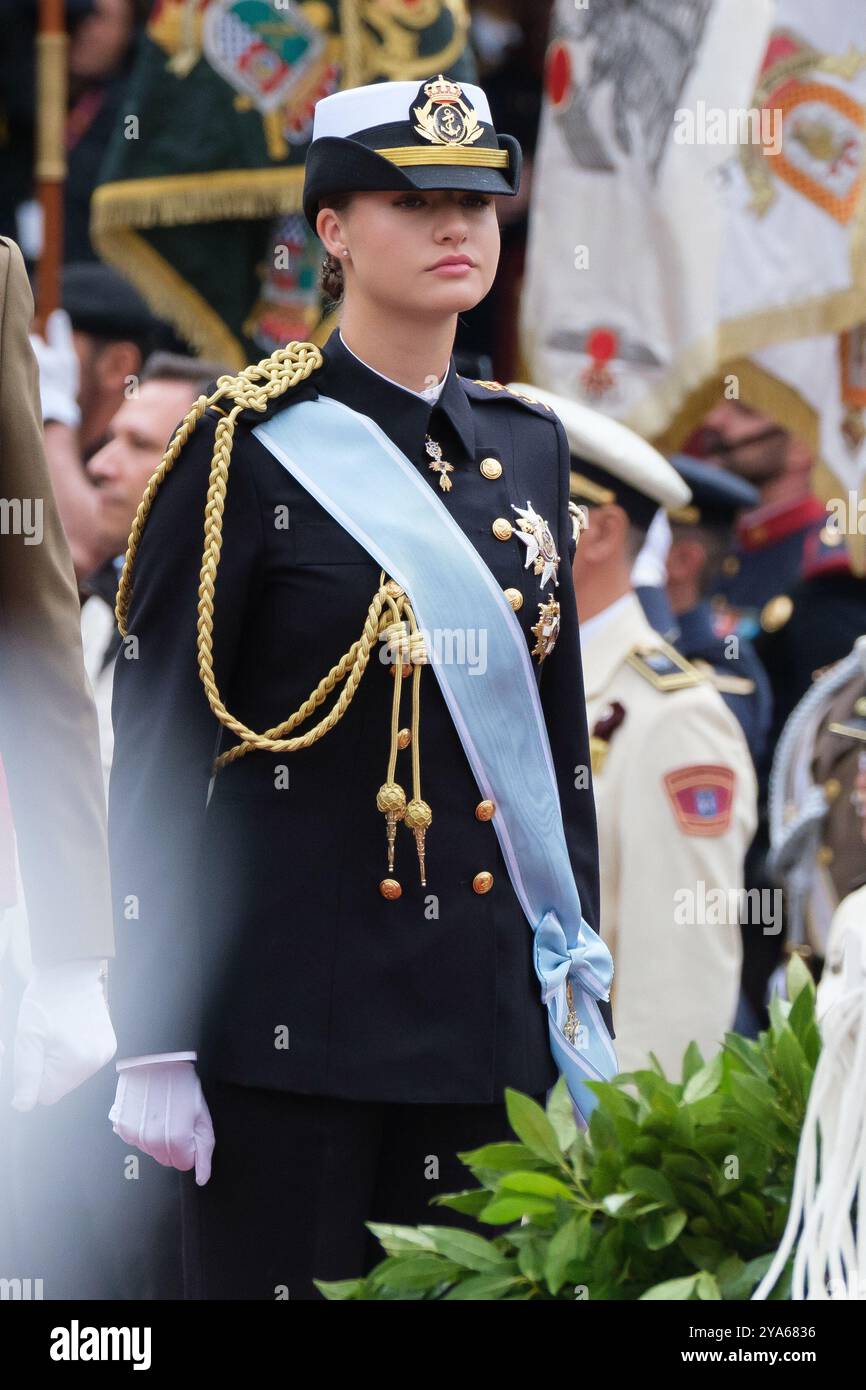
{"points": [[537, 536], [546, 630], [439, 464]]}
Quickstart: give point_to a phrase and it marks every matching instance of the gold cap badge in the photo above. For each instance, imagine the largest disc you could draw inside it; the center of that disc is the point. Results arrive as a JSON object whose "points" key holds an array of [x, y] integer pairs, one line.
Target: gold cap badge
{"points": [[446, 118]]}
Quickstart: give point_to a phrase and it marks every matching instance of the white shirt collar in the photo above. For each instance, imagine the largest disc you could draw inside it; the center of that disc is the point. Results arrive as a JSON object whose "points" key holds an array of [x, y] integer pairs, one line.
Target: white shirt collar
{"points": [[592, 626], [430, 393]]}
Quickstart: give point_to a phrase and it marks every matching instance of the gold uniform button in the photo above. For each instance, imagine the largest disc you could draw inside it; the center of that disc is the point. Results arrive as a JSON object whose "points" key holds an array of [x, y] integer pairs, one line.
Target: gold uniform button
{"points": [[832, 788], [502, 528], [730, 565], [860, 705], [484, 810], [825, 855], [515, 598], [483, 882], [491, 468], [776, 612], [390, 889]]}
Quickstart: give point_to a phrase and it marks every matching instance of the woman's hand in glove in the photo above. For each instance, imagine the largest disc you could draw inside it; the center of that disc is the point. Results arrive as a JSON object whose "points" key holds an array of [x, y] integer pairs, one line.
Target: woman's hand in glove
{"points": [[160, 1108]]}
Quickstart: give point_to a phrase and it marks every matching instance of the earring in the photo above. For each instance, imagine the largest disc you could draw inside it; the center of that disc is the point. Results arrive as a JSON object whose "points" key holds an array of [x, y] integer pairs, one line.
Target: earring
{"points": [[345, 253]]}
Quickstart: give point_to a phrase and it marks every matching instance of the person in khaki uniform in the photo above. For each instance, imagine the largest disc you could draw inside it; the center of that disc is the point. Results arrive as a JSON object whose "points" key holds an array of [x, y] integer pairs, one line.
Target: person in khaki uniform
{"points": [[48, 743], [674, 784]]}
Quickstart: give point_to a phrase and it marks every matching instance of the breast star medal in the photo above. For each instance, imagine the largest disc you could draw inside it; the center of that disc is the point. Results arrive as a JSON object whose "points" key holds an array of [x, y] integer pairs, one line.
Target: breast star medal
{"points": [[546, 630], [439, 464], [537, 536]]}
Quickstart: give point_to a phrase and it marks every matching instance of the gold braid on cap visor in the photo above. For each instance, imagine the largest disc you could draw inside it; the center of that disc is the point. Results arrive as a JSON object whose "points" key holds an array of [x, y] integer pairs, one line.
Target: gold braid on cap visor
{"points": [[447, 154], [389, 617]]}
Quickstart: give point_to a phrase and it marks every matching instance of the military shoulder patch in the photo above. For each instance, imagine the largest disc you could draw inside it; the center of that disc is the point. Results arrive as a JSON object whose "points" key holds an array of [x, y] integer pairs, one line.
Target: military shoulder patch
{"points": [[663, 666], [702, 798], [493, 390]]}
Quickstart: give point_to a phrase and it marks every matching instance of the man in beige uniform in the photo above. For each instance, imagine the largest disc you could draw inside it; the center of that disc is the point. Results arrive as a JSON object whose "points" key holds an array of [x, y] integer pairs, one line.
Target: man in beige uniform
{"points": [[674, 785], [48, 743]]}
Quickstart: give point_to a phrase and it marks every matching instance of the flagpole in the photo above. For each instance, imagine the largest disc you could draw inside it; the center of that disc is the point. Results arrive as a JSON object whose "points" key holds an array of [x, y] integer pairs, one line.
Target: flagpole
{"points": [[51, 44]]}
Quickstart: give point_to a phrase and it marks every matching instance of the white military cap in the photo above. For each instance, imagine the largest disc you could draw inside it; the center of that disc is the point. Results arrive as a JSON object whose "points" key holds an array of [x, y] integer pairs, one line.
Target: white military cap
{"points": [[610, 462], [406, 135], [379, 103]]}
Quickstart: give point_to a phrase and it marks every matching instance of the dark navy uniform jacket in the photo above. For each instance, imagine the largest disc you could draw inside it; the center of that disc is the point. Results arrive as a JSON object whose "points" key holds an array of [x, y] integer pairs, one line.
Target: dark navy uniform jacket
{"points": [[698, 641], [250, 926]]}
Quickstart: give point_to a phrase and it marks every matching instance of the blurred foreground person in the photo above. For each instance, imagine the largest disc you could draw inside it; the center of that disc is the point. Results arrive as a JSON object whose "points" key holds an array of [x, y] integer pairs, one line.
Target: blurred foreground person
{"points": [[48, 743], [674, 785]]}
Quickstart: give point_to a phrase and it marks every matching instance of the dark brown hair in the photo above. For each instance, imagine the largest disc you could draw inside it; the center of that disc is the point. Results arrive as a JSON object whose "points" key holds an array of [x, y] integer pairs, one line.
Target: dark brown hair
{"points": [[170, 366], [332, 271]]}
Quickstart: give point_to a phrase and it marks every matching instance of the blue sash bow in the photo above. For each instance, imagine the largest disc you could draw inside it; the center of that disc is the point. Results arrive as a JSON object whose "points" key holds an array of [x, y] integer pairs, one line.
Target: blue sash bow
{"points": [[351, 467]]}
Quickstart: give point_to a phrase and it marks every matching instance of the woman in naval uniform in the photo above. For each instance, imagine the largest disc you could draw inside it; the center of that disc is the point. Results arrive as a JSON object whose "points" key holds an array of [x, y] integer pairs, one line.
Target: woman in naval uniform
{"points": [[325, 955]]}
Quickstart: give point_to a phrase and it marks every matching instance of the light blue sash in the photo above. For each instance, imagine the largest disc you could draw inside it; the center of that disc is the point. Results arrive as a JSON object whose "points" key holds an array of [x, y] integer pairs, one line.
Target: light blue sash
{"points": [[345, 461]]}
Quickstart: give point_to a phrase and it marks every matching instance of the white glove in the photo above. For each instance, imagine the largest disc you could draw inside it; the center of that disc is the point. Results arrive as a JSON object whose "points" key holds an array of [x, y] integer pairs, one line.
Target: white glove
{"points": [[58, 370], [64, 1032], [161, 1109]]}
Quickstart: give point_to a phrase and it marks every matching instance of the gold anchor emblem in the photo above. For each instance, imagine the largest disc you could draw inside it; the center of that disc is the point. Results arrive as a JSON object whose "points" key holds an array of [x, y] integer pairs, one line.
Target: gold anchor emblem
{"points": [[446, 118]]}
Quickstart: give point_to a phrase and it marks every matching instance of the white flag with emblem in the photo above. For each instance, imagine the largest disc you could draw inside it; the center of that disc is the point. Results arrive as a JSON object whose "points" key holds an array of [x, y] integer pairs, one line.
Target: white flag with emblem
{"points": [[699, 218]]}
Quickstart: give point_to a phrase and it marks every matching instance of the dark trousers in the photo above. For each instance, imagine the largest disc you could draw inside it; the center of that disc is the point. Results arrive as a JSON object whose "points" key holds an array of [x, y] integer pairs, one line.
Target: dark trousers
{"points": [[295, 1177]]}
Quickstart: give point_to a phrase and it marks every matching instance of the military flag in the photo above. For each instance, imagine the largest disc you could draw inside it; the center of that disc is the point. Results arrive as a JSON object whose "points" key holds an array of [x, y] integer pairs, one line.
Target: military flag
{"points": [[701, 190], [199, 203]]}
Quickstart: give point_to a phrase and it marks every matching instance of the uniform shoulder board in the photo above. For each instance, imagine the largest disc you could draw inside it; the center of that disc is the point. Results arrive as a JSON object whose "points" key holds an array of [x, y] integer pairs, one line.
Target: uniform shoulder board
{"points": [[724, 683], [663, 666], [490, 390]]}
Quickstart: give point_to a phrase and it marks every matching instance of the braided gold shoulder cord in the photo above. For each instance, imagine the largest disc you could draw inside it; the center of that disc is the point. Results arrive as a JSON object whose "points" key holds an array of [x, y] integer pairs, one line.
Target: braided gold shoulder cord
{"points": [[387, 616]]}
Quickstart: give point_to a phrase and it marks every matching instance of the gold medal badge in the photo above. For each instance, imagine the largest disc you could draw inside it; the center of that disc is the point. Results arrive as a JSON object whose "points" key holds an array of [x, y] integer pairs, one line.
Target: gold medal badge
{"points": [[546, 630]]}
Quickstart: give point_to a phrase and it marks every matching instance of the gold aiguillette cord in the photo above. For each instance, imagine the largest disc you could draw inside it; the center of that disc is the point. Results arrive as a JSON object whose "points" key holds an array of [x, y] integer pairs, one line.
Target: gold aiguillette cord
{"points": [[391, 798]]}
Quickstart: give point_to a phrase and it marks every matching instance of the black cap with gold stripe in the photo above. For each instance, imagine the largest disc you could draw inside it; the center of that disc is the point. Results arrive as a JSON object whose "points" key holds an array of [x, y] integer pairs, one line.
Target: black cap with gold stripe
{"points": [[399, 135]]}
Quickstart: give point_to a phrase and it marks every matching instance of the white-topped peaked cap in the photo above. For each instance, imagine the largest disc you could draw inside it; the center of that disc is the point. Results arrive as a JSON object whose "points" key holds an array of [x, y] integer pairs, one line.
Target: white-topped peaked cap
{"points": [[608, 457], [379, 103], [407, 135]]}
